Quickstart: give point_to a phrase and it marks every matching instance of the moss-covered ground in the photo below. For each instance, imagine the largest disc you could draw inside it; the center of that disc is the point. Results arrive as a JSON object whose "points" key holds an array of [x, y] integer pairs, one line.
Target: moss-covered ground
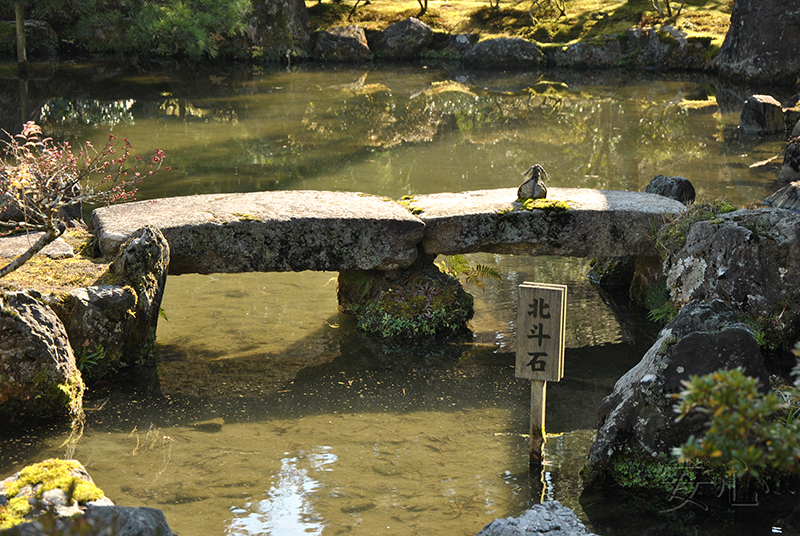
{"points": [[537, 21], [61, 275]]}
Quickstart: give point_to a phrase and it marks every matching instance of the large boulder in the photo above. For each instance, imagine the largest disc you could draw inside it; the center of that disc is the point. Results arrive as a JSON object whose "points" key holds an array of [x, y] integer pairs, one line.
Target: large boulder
{"points": [[280, 27], [598, 53], [550, 518], [38, 375], [403, 40], [637, 421], [348, 43], [761, 41], [761, 114], [506, 53], [748, 258], [270, 231]]}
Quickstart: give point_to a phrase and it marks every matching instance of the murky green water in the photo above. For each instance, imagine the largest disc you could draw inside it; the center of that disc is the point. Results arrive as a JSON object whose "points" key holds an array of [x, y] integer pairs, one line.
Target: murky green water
{"points": [[265, 414]]}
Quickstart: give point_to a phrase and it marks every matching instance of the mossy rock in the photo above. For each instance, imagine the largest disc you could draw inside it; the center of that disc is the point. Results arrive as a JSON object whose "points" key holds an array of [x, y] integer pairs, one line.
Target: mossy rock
{"points": [[21, 495], [419, 302]]}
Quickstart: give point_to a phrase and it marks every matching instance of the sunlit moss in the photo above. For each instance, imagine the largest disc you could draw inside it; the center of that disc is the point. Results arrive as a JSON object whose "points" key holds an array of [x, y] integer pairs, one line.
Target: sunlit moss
{"points": [[48, 475]]}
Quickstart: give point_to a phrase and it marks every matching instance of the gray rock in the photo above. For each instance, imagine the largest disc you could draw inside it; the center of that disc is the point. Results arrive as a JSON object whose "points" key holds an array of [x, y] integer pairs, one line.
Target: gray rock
{"points": [[790, 170], [533, 186], [762, 114], [677, 188], [270, 231], [750, 259], [100, 521], [403, 40], [342, 44], [117, 323], [549, 518], [38, 376], [506, 53], [598, 223], [787, 198], [16, 245], [761, 42], [638, 417]]}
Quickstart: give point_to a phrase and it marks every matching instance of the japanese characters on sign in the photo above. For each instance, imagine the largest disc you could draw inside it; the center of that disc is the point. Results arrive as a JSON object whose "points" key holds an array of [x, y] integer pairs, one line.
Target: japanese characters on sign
{"points": [[540, 331]]}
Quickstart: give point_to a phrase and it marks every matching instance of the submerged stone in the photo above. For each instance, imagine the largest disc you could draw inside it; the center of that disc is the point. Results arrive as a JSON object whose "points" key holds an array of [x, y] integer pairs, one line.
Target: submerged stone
{"points": [[549, 518]]}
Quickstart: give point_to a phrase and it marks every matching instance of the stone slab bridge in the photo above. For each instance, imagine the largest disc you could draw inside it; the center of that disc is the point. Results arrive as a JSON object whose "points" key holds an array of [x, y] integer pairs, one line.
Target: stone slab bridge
{"points": [[338, 231]]}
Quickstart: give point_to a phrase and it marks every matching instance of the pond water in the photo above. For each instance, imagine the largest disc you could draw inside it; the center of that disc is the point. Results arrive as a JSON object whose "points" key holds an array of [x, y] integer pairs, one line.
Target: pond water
{"points": [[265, 413]]}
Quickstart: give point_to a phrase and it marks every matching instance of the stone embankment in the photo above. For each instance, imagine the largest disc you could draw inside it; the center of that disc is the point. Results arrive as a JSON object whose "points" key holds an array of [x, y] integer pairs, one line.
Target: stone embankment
{"points": [[337, 231]]}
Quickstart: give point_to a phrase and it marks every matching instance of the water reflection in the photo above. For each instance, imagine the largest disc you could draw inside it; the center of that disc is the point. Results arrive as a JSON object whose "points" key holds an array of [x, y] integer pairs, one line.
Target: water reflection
{"points": [[288, 509]]}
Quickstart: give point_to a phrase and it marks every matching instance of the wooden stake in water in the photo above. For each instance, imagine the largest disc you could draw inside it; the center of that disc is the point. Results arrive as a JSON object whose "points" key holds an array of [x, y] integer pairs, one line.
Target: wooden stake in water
{"points": [[541, 322]]}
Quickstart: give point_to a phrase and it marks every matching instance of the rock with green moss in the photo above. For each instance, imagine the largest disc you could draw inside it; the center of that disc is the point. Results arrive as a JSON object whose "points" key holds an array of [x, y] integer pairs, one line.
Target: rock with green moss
{"points": [[505, 53], [39, 379], [110, 326], [637, 422], [59, 497], [55, 486], [577, 222], [418, 302]]}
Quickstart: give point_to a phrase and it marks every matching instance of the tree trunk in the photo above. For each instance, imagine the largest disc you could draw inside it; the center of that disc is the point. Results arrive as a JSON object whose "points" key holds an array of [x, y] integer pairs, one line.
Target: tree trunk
{"points": [[22, 57]]}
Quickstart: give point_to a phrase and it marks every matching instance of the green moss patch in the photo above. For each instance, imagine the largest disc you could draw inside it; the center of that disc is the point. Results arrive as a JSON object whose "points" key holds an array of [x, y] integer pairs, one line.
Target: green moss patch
{"points": [[45, 476], [548, 205], [672, 236]]}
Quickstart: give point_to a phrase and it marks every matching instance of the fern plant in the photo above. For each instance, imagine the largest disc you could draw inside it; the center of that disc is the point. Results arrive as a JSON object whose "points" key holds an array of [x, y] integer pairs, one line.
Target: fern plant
{"points": [[460, 268]]}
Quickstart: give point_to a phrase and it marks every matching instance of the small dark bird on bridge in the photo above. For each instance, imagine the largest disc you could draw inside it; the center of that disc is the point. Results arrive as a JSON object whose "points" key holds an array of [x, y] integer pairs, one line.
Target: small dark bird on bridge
{"points": [[533, 186]]}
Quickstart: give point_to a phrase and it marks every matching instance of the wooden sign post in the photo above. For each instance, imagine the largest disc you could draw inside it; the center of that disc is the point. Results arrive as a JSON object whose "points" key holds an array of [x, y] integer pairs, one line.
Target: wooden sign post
{"points": [[541, 322]]}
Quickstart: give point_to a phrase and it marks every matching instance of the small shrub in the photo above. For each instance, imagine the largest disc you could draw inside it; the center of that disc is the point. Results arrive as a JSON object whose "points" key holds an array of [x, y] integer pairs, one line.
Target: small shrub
{"points": [[746, 434]]}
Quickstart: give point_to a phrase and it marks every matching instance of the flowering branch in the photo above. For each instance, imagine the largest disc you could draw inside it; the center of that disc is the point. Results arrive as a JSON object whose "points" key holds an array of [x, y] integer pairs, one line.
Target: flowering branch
{"points": [[41, 178]]}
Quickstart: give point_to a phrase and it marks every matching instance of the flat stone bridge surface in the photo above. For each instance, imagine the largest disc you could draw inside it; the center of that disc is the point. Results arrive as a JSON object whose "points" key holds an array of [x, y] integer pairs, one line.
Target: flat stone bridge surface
{"points": [[322, 230]]}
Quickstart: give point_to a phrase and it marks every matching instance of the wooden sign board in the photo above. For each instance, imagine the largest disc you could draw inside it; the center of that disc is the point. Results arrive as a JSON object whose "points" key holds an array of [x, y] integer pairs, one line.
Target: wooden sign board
{"points": [[541, 329]]}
